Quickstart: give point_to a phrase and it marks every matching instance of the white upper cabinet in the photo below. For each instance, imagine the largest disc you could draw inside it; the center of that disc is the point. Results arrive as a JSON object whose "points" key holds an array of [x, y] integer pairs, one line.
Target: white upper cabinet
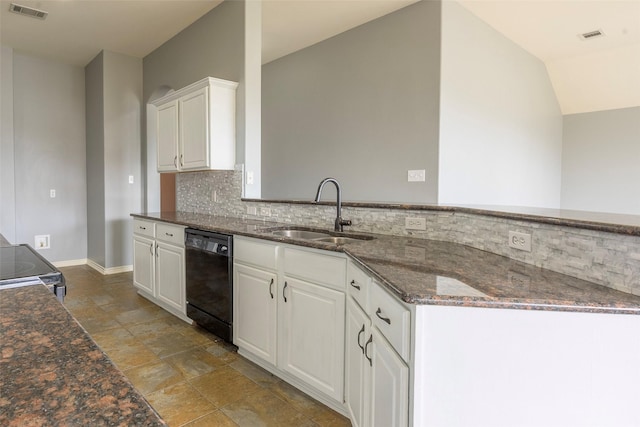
{"points": [[196, 127]]}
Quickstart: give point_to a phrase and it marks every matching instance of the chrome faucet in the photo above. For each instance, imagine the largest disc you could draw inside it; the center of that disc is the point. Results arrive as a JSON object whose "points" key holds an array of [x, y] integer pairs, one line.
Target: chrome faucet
{"points": [[340, 223]]}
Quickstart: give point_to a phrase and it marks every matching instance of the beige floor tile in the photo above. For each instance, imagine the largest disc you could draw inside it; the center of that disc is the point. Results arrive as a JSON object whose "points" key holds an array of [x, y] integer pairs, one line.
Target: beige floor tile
{"points": [[330, 418], [153, 377], [142, 314], [224, 386], [214, 419], [264, 408], [131, 355], [197, 335], [168, 344], [154, 328], [223, 351], [113, 339], [299, 400], [194, 363], [254, 372], [179, 404]]}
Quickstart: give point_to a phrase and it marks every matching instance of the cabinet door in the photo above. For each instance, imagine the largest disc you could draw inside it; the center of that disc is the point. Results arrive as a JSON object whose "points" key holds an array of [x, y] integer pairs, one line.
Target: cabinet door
{"points": [[194, 130], [311, 335], [167, 129], [389, 384], [170, 277], [254, 311], [143, 263], [357, 365]]}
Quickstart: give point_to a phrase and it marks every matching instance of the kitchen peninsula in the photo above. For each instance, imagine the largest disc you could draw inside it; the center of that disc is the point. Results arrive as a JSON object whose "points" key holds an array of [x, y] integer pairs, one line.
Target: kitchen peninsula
{"points": [[463, 328], [53, 373]]}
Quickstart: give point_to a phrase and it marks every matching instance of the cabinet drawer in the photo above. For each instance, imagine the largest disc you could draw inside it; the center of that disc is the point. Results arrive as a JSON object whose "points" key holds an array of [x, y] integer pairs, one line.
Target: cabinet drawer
{"points": [[169, 233], [316, 267], [358, 283], [391, 318], [144, 228], [256, 252]]}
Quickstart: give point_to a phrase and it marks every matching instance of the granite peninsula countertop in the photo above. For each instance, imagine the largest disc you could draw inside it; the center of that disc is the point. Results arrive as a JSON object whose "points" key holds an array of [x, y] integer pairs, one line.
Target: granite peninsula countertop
{"points": [[421, 271], [52, 373]]}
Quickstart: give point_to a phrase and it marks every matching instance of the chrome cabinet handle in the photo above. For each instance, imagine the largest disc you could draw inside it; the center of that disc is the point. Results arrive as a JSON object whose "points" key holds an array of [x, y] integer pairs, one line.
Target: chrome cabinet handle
{"points": [[169, 234], [156, 250], [175, 161], [365, 350], [353, 283], [151, 249], [181, 162], [271, 288], [385, 319], [283, 289], [360, 333]]}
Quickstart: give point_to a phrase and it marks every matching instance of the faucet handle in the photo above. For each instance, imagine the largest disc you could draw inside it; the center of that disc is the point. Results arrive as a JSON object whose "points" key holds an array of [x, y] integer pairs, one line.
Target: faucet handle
{"points": [[345, 221]]}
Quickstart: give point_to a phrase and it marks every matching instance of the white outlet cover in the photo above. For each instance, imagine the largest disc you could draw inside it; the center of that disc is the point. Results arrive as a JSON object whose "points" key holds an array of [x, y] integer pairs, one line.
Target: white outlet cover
{"points": [[415, 223], [130, 179], [249, 178], [52, 193], [520, 241], [42, 241], [417, 175]]}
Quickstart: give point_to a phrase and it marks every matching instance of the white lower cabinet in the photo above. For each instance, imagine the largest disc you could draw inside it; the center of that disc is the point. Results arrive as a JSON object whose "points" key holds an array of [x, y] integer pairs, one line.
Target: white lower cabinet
{"points": [[311, 332], [291, 320], [377, 377], [159, 265], [254, 310]]}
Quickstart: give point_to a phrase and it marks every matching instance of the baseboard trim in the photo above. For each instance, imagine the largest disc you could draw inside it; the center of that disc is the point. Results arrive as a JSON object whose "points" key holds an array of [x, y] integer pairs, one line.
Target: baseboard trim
{"points": [[70, 263], [112, 270]]}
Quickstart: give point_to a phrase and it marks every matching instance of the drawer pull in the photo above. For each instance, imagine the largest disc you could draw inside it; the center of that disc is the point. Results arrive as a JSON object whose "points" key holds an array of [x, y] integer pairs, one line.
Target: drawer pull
{"points": [[360, 333], [283, 289], [169, 234], [175, 161], [181, 162], [384, 319], [365, 350], [142, 228], [353, 283], [271, 288], [151, 249]]}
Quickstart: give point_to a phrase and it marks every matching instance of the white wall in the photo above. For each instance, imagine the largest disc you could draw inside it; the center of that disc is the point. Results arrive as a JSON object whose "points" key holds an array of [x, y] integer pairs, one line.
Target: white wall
{"points": [[500, 123], [601, 161], [49, 142]]}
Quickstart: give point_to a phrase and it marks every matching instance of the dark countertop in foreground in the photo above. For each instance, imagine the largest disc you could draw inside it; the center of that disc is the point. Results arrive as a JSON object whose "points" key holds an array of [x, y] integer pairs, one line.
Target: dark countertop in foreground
{"points": [[52, 373], [423, 271]]}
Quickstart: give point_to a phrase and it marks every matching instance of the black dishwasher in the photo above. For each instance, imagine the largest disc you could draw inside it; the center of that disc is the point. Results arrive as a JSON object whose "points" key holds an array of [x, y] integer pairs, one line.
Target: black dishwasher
{"points": [[209, 260]]}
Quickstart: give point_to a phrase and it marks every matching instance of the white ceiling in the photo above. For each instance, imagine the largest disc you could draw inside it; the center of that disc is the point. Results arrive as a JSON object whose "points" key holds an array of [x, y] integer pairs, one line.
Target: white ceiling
{"points": [[76, 30]]}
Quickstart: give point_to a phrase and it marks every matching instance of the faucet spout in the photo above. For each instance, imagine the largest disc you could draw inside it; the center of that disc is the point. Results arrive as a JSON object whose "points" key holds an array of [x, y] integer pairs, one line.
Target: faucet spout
{"points": [[339, 223]]}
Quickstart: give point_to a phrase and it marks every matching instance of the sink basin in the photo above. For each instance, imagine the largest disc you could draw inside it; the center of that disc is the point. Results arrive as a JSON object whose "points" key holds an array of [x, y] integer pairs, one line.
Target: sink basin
{"points": [[338, 240], [317, 236], [300, 234]]}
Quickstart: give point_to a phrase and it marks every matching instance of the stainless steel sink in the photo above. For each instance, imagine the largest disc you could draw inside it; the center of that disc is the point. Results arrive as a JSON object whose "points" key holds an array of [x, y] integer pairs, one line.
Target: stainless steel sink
{"points": [[317, 236], [300, 234], [338, 240]]}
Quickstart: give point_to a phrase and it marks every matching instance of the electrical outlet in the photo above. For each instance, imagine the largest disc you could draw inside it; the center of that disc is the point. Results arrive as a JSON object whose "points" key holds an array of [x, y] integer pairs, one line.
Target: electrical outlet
{"points": [[412, 223], [42, 242], [416, 175], [265, 212], [251, 210], [520, 241], [52, 193], [214, 196], [249, 177], [130, 179]]}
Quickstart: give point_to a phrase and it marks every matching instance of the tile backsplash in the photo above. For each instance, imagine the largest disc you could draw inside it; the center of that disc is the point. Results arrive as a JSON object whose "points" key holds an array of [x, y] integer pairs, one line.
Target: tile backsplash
{"points": [[610, 259]]}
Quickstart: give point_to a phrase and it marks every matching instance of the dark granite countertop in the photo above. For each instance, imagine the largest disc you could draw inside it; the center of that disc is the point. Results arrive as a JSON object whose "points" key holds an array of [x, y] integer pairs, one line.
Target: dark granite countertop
{"points": [[421, 271], [52, 373]]}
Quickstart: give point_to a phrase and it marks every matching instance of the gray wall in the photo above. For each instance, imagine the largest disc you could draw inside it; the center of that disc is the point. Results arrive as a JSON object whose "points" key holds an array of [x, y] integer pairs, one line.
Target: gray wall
{"points": [[361, 106], [95, 160], [49, 138], [114, 105], [7, 181], [500, 122], [601, 161], [211, 46]]}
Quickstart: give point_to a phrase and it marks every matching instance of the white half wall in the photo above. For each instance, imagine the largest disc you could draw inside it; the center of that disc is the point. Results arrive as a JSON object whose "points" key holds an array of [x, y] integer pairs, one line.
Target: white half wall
{"points": [[500, 123]]}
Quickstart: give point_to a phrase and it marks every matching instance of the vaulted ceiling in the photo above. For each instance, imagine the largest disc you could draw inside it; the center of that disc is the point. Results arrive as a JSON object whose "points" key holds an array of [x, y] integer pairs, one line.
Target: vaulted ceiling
{"points": [[597, 74]]}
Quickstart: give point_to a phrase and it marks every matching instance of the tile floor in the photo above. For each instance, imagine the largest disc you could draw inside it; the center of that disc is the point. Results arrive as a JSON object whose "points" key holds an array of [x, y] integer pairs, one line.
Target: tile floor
{"points": [[189, 376]]}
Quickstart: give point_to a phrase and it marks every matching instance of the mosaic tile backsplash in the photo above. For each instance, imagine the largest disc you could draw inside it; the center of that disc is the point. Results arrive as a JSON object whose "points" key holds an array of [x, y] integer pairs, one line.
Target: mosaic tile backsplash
{"points": [[610, 259]]}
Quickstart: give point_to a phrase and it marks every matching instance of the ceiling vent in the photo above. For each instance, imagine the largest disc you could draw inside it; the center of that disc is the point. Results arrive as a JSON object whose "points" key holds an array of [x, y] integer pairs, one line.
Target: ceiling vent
{"points": [[28, 11], [591, 35]]}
